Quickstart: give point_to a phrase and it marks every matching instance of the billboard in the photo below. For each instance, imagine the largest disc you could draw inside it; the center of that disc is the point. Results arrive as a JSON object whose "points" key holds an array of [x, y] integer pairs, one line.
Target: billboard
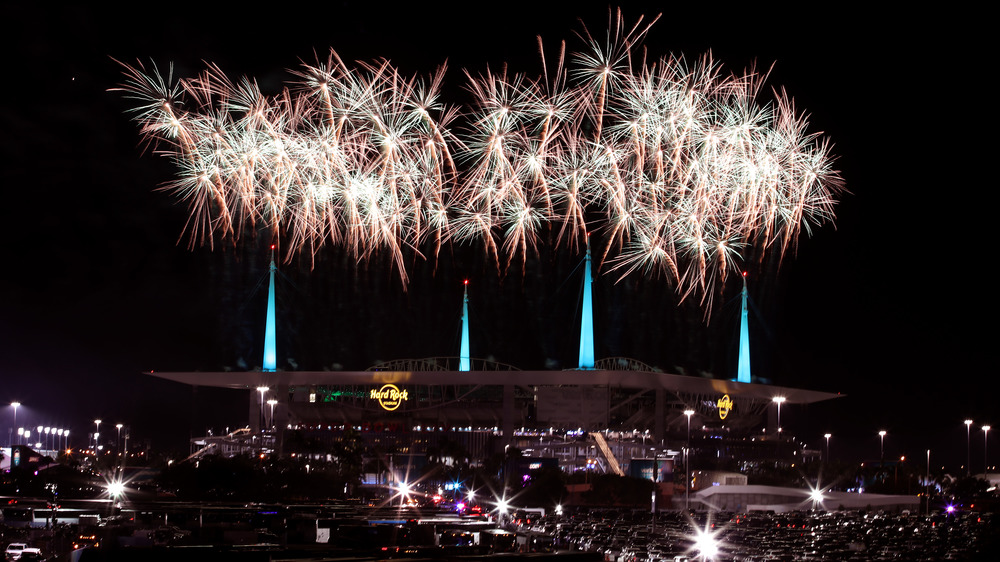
{"points": [[658, 470]]}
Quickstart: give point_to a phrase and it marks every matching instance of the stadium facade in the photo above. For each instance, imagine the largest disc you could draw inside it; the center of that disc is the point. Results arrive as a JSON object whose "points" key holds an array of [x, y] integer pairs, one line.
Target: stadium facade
{"points": [[410, 405]]}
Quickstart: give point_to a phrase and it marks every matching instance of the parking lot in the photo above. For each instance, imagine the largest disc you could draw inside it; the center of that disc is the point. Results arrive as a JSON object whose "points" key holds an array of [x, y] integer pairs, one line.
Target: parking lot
{"points": [[849, 535]]}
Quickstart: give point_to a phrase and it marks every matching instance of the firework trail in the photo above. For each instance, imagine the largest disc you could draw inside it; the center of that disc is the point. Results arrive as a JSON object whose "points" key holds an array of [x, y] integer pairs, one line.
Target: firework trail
{"points": [[675, 167], [350, 157]]}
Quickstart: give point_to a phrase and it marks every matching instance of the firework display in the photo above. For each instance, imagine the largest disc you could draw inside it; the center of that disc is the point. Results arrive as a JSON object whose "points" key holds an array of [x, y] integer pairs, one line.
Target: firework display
{"points": [[675, 168]]}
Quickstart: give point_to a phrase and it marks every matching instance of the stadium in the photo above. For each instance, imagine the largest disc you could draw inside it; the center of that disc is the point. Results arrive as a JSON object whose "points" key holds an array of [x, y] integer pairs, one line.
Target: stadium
{"points": [[611, 415]]}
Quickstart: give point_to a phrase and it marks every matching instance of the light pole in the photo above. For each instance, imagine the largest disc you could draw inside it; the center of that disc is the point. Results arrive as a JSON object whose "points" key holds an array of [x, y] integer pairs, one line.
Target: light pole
{"points": [[118, 441], [779, 400], [777, 441], [272, 402], [881, 448], [986, 459], [687, 466], [828, 436], [927, 483], [15, 404], [262, 390], [97, 433], [968, 447]]}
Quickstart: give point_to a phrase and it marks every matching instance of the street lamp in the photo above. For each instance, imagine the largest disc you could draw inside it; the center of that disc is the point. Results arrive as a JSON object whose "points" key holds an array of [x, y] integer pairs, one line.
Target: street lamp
{"points": [[97, 432], [118, 442], [262, 390], [687, 466], [828, 436], [779, 400], [272, 402], [15, 404], [986, 459], [968, 447], [881, 438], [927, 483], [777, 441]]}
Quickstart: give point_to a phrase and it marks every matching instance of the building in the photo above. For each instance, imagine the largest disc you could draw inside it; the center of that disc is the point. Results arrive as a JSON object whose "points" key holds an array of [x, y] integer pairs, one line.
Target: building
{"points": [[410, 406]]}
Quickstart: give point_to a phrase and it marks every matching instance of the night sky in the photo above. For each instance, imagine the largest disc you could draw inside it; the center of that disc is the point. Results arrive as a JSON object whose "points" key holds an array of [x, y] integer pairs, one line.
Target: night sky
{"points": [[890, 307]]}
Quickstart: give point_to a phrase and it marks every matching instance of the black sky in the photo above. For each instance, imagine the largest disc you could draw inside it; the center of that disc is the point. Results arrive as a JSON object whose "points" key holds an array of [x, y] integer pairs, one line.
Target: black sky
{"points": [[891, 307]]}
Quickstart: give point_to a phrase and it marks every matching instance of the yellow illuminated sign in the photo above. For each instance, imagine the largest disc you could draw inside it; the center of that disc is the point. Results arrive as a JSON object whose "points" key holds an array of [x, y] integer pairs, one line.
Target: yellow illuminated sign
{"points": [[390, 397], [725, 406]]}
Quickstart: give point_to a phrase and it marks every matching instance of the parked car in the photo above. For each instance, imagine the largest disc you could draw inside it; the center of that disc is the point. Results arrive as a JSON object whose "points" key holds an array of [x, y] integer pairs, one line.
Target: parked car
{"points": [[21, 551]]}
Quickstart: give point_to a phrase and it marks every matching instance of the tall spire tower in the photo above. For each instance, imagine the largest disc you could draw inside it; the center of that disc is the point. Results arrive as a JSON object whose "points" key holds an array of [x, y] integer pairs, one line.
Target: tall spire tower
{"points": [[587, 319], [743, 371], [270, 339], [464, 360]]}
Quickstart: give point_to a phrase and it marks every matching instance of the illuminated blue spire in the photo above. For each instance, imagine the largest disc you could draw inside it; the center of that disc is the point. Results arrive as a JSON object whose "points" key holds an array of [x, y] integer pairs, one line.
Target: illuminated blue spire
{"points": [[587, 320], [270, 344], [743, 372], [464, 362]]}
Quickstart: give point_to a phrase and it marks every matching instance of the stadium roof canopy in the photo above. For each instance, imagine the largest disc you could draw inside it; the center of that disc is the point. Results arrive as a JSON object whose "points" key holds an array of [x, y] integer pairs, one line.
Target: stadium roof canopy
{"points": [[640, 380]]}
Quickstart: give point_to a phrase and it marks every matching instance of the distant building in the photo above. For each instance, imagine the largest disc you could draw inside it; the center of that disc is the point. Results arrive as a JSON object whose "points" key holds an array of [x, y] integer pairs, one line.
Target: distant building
{"points": [[780, 499], [702, 479]]}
